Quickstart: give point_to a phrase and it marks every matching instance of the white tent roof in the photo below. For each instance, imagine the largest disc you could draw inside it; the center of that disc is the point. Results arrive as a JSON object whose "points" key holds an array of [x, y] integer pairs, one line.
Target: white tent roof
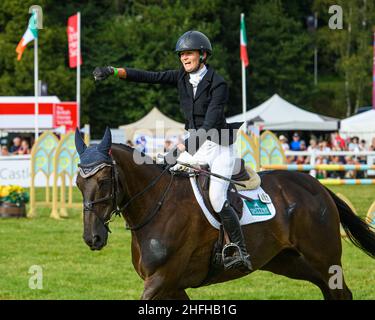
{"points": [[361, 125], [278, 114], [363, 122], [152, 124]]}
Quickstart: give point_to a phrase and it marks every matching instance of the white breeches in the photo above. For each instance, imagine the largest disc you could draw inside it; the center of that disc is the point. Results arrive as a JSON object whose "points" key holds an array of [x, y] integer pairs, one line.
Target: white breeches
{"points": [[221, 160]]}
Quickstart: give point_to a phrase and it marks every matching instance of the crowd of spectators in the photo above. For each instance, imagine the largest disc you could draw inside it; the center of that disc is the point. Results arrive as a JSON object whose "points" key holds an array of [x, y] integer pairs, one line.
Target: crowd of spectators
{"points": [[334, 143], [19, 146]]}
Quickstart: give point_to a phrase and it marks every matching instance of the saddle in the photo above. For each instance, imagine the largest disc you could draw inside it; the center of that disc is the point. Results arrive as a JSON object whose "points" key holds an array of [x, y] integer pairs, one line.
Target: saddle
{"points": [[246, 175]]}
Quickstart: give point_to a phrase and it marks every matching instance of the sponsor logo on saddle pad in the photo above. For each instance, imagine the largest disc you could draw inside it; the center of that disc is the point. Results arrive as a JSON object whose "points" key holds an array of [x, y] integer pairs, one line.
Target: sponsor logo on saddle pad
{"points": [[257, 208]]}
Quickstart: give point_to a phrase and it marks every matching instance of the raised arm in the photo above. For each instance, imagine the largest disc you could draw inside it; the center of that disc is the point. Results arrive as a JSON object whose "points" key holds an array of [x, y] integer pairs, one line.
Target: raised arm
{"points": [[135, 75]]}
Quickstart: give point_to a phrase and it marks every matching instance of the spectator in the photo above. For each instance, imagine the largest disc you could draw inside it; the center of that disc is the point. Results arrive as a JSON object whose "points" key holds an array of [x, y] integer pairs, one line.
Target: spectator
{"points": [[338, 143], [168, 145], [362, 145], [303, 145], [372, 146], [284, 142], [323, 146], [313, 145], [295, 145], [320, 174], [300, 160], [4, 151], [362, 159], [16, 145], [351, 174], [24, 148], [354, 144], [336, 174]]}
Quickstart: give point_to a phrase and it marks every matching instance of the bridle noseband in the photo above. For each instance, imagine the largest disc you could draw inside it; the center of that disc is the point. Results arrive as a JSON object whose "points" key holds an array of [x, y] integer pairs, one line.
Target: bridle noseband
{"points": [[88, 206]]}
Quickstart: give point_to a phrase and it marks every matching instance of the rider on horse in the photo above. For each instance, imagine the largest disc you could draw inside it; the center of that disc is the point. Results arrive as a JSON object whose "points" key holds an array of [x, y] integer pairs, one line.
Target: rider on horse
{"points": [[203, 95]]}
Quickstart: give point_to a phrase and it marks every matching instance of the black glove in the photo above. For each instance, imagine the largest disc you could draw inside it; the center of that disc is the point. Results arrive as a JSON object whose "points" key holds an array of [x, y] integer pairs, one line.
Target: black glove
{"points": [[102, 73]]}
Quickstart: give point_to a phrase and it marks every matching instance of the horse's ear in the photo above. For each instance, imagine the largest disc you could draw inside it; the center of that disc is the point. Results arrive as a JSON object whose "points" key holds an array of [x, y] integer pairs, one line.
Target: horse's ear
{"points": [[105, 145], [80, 144]]}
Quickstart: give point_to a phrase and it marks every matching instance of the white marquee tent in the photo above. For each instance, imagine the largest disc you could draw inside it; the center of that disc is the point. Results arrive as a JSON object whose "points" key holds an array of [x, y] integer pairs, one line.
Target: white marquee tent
{"points": [[279, 114], [361, 125], [153, 124]]}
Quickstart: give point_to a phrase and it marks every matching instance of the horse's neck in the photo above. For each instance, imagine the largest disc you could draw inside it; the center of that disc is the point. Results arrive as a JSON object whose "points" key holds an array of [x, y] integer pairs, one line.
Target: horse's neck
{"points": [[135, 178]]}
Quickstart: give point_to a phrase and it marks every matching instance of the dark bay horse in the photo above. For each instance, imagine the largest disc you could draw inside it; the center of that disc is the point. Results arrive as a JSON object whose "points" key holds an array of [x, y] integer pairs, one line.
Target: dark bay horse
{"points": [[172, 241]]}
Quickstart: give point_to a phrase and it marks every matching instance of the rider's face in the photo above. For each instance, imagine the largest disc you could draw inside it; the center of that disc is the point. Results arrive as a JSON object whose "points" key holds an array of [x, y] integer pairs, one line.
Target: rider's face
{"points": [[190, 60]]}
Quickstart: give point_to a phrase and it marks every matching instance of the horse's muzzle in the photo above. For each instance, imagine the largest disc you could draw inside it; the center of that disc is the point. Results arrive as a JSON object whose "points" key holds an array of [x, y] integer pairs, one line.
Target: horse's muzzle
{"points": [[96, 242]]}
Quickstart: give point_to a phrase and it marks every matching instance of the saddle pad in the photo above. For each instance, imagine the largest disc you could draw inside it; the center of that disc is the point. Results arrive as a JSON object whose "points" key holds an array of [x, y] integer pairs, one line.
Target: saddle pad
{"points": [[255, 211]]}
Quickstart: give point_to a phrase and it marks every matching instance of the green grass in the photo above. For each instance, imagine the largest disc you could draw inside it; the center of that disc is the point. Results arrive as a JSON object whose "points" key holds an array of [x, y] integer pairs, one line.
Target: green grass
{"points": [[72, 271]]}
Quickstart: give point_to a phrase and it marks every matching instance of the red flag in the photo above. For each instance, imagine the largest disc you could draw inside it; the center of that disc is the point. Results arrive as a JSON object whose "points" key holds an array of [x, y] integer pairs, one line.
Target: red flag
{"points": [[72, 31]]}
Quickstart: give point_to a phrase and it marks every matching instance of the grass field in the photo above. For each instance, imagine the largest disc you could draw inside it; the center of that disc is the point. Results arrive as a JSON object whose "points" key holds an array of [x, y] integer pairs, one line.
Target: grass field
{"points": [[72, 271]]}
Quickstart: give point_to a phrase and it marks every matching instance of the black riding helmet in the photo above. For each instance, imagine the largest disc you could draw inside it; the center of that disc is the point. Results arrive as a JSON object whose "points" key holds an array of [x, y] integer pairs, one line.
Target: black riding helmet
{"points": [[194, 40]]}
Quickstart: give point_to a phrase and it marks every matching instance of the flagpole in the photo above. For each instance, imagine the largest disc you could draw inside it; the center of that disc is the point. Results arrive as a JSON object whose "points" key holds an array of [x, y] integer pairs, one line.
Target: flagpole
{"points": [[36, 89], [373, 75], [78, 99], [243, 91], [243, 81]]}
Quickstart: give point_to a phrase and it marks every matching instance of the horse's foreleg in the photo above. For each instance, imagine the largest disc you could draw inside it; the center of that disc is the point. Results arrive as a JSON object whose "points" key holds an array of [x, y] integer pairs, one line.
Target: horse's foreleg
{"points": [[160, 288]]}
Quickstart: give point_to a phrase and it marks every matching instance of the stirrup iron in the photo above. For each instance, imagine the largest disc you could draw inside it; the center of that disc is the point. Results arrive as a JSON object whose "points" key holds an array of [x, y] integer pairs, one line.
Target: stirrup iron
{"points": [[236, 258]]}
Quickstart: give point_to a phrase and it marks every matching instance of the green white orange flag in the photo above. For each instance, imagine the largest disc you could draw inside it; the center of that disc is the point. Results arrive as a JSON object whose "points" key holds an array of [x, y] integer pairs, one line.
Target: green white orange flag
{"points": [[244, 56], [30, 34]]}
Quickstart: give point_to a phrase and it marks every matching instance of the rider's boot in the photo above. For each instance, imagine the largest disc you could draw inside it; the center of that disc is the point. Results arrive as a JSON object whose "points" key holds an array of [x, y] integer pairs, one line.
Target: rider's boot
{"points": [[240, 258]]}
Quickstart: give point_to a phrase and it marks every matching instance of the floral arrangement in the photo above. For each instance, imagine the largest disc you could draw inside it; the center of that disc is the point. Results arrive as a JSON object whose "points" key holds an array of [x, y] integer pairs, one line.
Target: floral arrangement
{"points": [[13, 194]]}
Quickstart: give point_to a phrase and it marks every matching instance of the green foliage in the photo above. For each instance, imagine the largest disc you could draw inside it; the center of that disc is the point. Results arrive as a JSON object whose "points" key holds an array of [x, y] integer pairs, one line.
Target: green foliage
{"points": [[14, 194], [348, 52], [281, 39]]}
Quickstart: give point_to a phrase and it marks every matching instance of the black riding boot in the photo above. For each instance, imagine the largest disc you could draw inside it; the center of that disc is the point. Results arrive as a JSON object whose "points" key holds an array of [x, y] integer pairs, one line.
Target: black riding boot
{"points": [[240, 257]]}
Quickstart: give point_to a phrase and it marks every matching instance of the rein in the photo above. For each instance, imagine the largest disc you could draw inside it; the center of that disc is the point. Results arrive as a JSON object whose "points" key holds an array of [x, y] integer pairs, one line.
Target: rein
{"points": [[88, 206], [159, 203]]}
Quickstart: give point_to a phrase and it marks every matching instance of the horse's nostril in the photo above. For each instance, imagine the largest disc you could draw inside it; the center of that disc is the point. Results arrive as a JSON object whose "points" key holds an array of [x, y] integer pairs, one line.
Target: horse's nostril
{"points": [[95, 239], [87, 240]]}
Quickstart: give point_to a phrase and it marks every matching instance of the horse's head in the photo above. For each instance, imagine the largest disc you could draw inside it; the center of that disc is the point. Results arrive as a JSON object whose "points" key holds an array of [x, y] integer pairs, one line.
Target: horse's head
{"points": [[96, 180]]}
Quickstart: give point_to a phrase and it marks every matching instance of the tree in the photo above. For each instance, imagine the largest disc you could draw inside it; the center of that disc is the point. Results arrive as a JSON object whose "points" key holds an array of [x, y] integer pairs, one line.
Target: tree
{"points": [[352, 47], [280, 55]]}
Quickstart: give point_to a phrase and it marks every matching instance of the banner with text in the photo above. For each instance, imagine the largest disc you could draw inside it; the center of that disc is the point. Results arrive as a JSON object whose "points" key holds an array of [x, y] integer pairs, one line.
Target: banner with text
{"points": [[72, 31], [66, 114]]}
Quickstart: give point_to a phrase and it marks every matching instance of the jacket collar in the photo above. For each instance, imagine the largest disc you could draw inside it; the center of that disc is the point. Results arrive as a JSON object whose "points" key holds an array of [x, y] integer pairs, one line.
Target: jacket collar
{"points": [[205, 82]]}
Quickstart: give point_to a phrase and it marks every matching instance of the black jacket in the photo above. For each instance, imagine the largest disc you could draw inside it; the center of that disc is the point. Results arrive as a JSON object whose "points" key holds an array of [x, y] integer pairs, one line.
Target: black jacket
{"points": [[204, 111]]}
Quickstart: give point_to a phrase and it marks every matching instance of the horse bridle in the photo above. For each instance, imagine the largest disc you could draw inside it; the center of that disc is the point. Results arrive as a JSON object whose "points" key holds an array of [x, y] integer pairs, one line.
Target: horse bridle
{"points": [[91, 169], [88, 206]]}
